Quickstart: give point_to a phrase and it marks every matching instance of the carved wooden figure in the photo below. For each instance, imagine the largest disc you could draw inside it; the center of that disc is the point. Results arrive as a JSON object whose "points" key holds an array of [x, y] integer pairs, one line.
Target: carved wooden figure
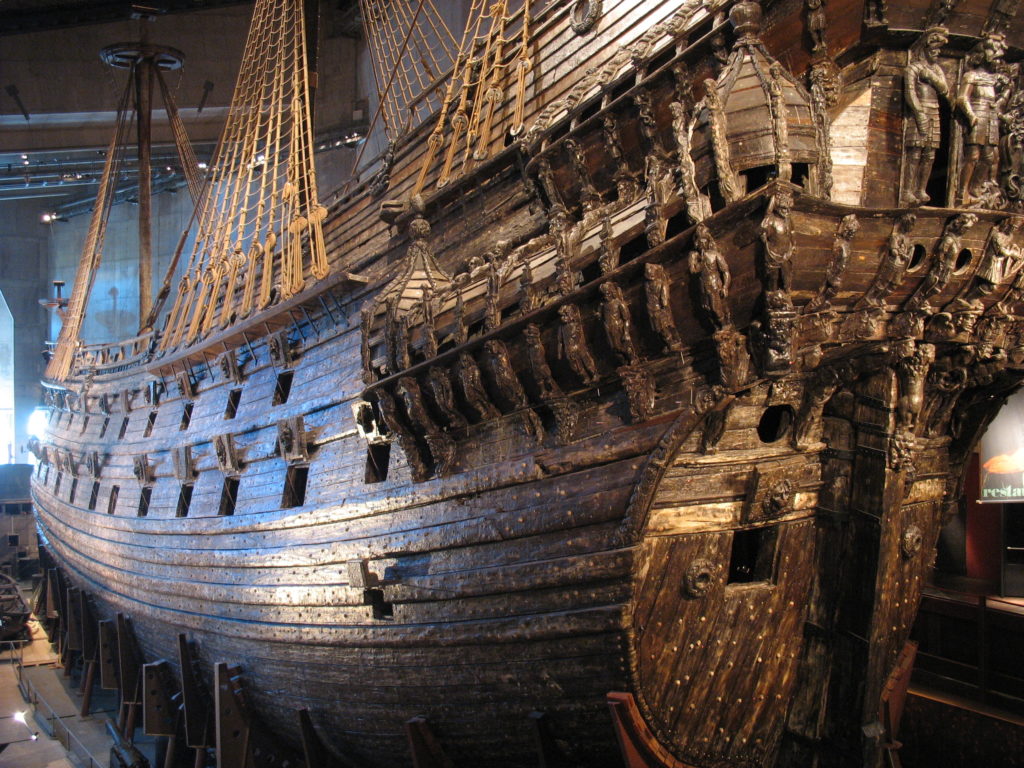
{"points": [[837, 266], [467, 373], [710, 273], [943, 262], [618, 323], [984, 93], [658, 293], [777, 243], [572, 344], [924, 88]]}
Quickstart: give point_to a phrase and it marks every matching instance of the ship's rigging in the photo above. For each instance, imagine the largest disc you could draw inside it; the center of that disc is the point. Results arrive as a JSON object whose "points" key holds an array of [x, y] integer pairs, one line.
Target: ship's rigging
{"points": [[261, 217]]}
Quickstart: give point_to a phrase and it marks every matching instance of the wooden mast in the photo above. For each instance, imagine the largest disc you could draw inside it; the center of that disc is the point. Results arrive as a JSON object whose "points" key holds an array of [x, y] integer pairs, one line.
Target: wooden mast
{"points": [[142, 60]]}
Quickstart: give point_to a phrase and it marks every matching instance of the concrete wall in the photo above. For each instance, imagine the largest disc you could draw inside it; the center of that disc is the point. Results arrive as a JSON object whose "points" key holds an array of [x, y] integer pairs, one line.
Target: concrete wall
{"points": [[23, 281]]}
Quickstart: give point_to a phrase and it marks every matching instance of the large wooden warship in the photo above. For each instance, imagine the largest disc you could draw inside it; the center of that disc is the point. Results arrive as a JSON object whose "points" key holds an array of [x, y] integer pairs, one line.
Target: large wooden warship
{"points": [[614, 415]]}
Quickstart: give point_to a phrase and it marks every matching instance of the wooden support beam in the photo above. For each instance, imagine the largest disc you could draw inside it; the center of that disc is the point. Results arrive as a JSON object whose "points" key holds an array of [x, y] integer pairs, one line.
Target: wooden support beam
{"points": [[314, 751], [90, 650], [426, 751], [159, 714], [51, 597], [548, 753], [74, 619], [129, 663], [108, 655], [894, 696], [639, 747], [195, 702], [232, 722]]}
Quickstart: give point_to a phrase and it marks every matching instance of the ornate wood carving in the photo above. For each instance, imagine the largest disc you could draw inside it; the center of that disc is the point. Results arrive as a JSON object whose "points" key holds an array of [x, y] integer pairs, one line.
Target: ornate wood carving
{"points": [[142, 470], [841, 246], [640, 391], [291, 439], [228, 364], [279, 349], [406, 439], [442, 447], [626, 185], [589, 196], [943, 262], [467, 373], [618, 323], [572, 344], [443, 395], [924, 88], [892, 268], [982, 98], [710, 275], [509, 388], [658, 295], [186, 385], [227, 457]]}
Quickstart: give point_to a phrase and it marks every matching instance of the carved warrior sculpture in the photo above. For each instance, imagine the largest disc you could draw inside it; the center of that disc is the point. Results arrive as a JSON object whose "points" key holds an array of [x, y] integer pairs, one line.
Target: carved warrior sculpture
{"points": [[572, 344], [618, 324], [711, 272], [658, 293], [924, 84], [837, 266], [983, 95], [943, 262], [817, 23], [626, 186]]}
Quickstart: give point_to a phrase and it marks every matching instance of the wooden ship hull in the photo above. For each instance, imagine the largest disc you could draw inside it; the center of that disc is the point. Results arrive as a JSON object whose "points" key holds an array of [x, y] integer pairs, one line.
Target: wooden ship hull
{"points": [[686, 432]]}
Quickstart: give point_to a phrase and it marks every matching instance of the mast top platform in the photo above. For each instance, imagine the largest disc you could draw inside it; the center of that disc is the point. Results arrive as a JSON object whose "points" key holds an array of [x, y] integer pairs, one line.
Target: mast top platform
{"points": [[127, 55]]}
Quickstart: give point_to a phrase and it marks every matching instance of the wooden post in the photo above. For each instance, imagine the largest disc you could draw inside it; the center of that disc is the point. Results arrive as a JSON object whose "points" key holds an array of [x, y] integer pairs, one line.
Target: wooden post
{"points": [[639, 747], [232, 724], [158, 711], [426, 751], [194, 701]]}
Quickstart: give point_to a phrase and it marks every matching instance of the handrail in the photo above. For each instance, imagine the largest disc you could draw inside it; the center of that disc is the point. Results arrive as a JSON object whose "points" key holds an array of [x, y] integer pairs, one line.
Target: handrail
{"points": [[56, 727]]}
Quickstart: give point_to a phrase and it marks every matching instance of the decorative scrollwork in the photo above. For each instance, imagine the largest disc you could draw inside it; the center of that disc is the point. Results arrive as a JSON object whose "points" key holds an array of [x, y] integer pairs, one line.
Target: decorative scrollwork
{"points": [[585, 15]]}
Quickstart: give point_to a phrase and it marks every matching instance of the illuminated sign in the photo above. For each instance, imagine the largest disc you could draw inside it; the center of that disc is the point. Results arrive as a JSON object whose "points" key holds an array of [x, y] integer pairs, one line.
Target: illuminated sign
{"points": [[1002, 454]]}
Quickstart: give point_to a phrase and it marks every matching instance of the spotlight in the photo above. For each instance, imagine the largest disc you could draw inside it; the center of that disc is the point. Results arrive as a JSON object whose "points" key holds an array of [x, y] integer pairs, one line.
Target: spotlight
{"points": [[19, 717], [46, 218], [202, 166]]}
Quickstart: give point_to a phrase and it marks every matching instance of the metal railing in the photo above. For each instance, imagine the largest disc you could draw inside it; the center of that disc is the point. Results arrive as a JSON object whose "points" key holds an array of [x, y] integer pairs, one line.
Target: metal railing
{"points": [[55, 727], [43, 714]]}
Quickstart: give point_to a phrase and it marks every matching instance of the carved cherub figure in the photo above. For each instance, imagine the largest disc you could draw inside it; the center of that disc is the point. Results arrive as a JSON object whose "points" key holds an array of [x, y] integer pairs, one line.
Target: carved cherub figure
{"points": [[777, 242], [572, 344], [984, 92], [924, 86], [713, 279]]}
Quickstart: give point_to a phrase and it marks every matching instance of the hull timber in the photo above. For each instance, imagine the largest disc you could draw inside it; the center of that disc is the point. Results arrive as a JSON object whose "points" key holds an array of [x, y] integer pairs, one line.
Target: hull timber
{"points": [[728, 512]]}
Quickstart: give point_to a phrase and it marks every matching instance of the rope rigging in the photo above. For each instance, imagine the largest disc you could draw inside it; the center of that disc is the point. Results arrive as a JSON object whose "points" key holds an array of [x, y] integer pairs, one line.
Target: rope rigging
{"points": [[259, 227]]}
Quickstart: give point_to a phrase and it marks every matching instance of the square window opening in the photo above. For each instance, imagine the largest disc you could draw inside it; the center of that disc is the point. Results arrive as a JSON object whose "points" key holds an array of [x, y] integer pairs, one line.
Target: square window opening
{"points": [[144, 497], [94, 495], [186, 416], [112, 500], [753, 555], [234, 397], [184, 500], [228, 496], [283, 387], [295, 487]]}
